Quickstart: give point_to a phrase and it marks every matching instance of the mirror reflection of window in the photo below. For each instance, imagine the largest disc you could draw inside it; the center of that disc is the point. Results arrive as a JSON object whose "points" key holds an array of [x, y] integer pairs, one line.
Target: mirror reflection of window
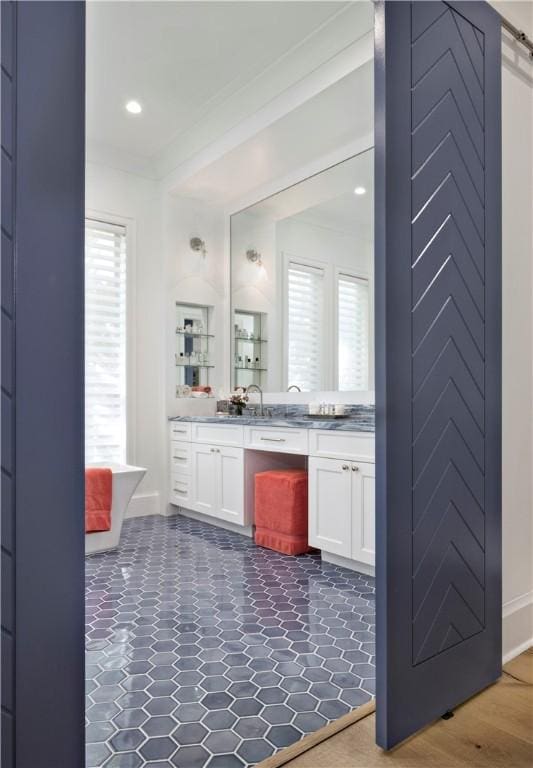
{"points": [[315, 241], [305, 326], [353, 332]]}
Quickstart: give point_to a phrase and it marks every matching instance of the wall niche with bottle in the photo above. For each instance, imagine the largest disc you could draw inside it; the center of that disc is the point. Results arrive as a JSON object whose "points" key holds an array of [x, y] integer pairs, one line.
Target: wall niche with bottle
{"points": [[194, 344], [250, 348]]}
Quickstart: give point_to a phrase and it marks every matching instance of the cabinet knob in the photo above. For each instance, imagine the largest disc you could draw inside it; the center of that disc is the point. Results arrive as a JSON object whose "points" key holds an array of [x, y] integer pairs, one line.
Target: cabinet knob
{"points": [[345, 467], [355, 468]]}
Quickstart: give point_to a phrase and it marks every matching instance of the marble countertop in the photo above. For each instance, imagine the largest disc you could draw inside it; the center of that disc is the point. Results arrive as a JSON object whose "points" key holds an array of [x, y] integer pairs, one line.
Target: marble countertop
{"points": [[356, 423]]}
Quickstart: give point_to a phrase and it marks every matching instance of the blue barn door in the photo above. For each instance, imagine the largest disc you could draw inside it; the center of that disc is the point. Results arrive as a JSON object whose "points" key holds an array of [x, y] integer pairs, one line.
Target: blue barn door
{"points": [[42, 534], [438, 370]]}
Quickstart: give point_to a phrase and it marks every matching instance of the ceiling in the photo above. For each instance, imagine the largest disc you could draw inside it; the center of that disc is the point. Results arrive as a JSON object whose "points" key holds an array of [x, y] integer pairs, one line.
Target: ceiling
{"points": [[181, 60], [349, 213], [332, 119]]}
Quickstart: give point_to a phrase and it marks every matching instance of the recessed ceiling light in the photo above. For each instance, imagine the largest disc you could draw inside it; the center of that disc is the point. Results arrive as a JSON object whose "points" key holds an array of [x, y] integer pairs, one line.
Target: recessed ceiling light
{"points": [[134, 107], [359, 191]]}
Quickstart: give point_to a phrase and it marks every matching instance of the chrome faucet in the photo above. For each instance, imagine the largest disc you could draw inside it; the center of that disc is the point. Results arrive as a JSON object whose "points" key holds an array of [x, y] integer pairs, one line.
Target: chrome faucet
{"points": [[294, 386], [257, 388]]}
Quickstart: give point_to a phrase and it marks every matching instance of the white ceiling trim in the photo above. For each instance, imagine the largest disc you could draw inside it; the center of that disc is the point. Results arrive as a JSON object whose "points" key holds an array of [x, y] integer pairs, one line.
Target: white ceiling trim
{"points": [[341, 65], [331, 45]]}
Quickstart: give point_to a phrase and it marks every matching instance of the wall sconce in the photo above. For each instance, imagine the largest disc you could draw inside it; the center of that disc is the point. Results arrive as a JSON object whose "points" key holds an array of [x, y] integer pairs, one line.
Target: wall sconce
{"points": [[198, 245], [254, 257]]}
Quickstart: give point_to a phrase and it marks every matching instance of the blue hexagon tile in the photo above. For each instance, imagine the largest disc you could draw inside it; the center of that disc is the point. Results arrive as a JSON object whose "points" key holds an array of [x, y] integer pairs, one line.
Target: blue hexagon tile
{"points": [[205, 650]]}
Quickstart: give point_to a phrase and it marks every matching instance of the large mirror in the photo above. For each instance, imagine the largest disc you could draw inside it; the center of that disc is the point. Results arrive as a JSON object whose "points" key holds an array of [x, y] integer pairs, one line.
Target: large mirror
{"points": [[302, 284]]}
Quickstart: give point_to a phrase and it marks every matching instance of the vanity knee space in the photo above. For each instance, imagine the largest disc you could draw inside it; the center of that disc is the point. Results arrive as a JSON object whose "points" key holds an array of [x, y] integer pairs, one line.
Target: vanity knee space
{"points": [[213, 465]]}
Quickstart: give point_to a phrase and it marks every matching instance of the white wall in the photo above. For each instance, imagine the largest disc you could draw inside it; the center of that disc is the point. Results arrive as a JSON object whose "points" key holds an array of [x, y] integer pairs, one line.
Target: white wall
{"points": [[517, 415], [111, 194], [191, 278]]}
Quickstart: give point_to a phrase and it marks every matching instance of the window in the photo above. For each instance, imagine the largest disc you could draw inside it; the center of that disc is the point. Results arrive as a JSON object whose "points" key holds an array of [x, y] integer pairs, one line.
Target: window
{"points": [[305, 326], [105, 342], [352, 314]]}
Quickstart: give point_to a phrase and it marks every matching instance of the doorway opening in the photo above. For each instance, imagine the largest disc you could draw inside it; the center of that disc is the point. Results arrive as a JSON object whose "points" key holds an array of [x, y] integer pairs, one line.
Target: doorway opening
{"points": [[229, 266]]}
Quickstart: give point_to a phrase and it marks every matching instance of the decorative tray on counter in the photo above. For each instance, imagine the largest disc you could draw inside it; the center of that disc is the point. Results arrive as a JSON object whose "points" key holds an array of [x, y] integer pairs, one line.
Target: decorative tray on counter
{"points": [[327, 417]]}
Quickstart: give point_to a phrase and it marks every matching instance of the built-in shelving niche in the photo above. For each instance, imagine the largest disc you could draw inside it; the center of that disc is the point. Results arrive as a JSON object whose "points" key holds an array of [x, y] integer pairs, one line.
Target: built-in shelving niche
{"points": [[250, 345], [195, 343]]}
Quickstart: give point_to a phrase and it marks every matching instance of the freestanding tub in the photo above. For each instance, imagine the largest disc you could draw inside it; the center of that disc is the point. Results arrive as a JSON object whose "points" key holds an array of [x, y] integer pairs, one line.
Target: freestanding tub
{"points": [[125, 480]]}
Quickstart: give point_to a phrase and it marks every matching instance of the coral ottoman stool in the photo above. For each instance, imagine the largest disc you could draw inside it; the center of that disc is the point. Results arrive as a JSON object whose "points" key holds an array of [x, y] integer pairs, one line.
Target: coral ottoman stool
{"points": [[281, 511]]}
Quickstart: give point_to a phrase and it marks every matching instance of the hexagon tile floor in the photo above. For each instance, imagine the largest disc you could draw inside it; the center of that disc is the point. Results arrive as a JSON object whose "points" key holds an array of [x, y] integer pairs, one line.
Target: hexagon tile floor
{"points": [[204, 650]]}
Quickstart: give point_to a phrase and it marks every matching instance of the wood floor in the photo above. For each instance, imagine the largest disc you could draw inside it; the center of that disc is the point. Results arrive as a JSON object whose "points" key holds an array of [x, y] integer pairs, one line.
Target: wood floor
{"points": [[492, 730]]}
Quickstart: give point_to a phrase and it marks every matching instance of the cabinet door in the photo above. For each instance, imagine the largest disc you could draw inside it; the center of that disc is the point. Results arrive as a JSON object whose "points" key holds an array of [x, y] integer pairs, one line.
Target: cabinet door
{"points": [[230, 484], [363, 512], [330, 503], [204, 479]]}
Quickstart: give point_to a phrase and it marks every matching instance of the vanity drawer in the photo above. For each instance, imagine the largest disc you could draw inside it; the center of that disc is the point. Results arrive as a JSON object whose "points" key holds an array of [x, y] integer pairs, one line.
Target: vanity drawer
{"points": [[180, 457], [338, 444], [180, 430], [276, 439], [219, 434], [180, 489]]}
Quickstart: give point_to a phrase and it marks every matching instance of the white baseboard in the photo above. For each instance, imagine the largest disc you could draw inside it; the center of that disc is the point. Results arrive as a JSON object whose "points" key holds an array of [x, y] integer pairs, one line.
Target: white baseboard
{"points": [[144, 504], [346, 562], [242, 529], [517, 626]]}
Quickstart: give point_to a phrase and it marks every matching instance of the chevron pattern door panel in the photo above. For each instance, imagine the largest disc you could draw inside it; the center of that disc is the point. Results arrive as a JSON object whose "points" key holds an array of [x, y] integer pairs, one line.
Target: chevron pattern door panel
{"points": [[448, 329], [438, 280]]}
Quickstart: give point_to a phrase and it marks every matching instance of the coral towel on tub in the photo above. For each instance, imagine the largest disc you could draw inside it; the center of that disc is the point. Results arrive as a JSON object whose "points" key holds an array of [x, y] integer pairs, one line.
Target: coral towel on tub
{"points": [[98, 496]]}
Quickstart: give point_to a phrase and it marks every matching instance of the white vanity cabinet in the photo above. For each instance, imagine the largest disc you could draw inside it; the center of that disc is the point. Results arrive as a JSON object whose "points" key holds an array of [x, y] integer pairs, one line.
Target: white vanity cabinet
{"points": [[212, 468], [180, 490], [204, 479], [218, 481], [230, 485], [330, 506], [180, 469], [342, 508], [363, 512], [277, 439]]}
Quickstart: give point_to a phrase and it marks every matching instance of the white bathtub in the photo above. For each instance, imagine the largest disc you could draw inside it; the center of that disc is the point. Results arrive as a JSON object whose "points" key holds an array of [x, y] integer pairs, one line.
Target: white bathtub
{"points": [[125, 480]]}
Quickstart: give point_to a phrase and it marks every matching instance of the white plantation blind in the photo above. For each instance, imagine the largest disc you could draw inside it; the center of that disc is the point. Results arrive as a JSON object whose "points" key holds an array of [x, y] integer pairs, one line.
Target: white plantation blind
{"points": [[105, 342], [352, 313], [305, 325]]}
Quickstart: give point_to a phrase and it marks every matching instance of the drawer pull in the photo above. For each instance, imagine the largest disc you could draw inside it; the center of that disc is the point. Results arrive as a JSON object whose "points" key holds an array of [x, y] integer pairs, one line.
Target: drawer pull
{"points": [[345, 467], [180, 431], [273, 439], [178, 490], [355, 468], [180, 458], [215, 450]]}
